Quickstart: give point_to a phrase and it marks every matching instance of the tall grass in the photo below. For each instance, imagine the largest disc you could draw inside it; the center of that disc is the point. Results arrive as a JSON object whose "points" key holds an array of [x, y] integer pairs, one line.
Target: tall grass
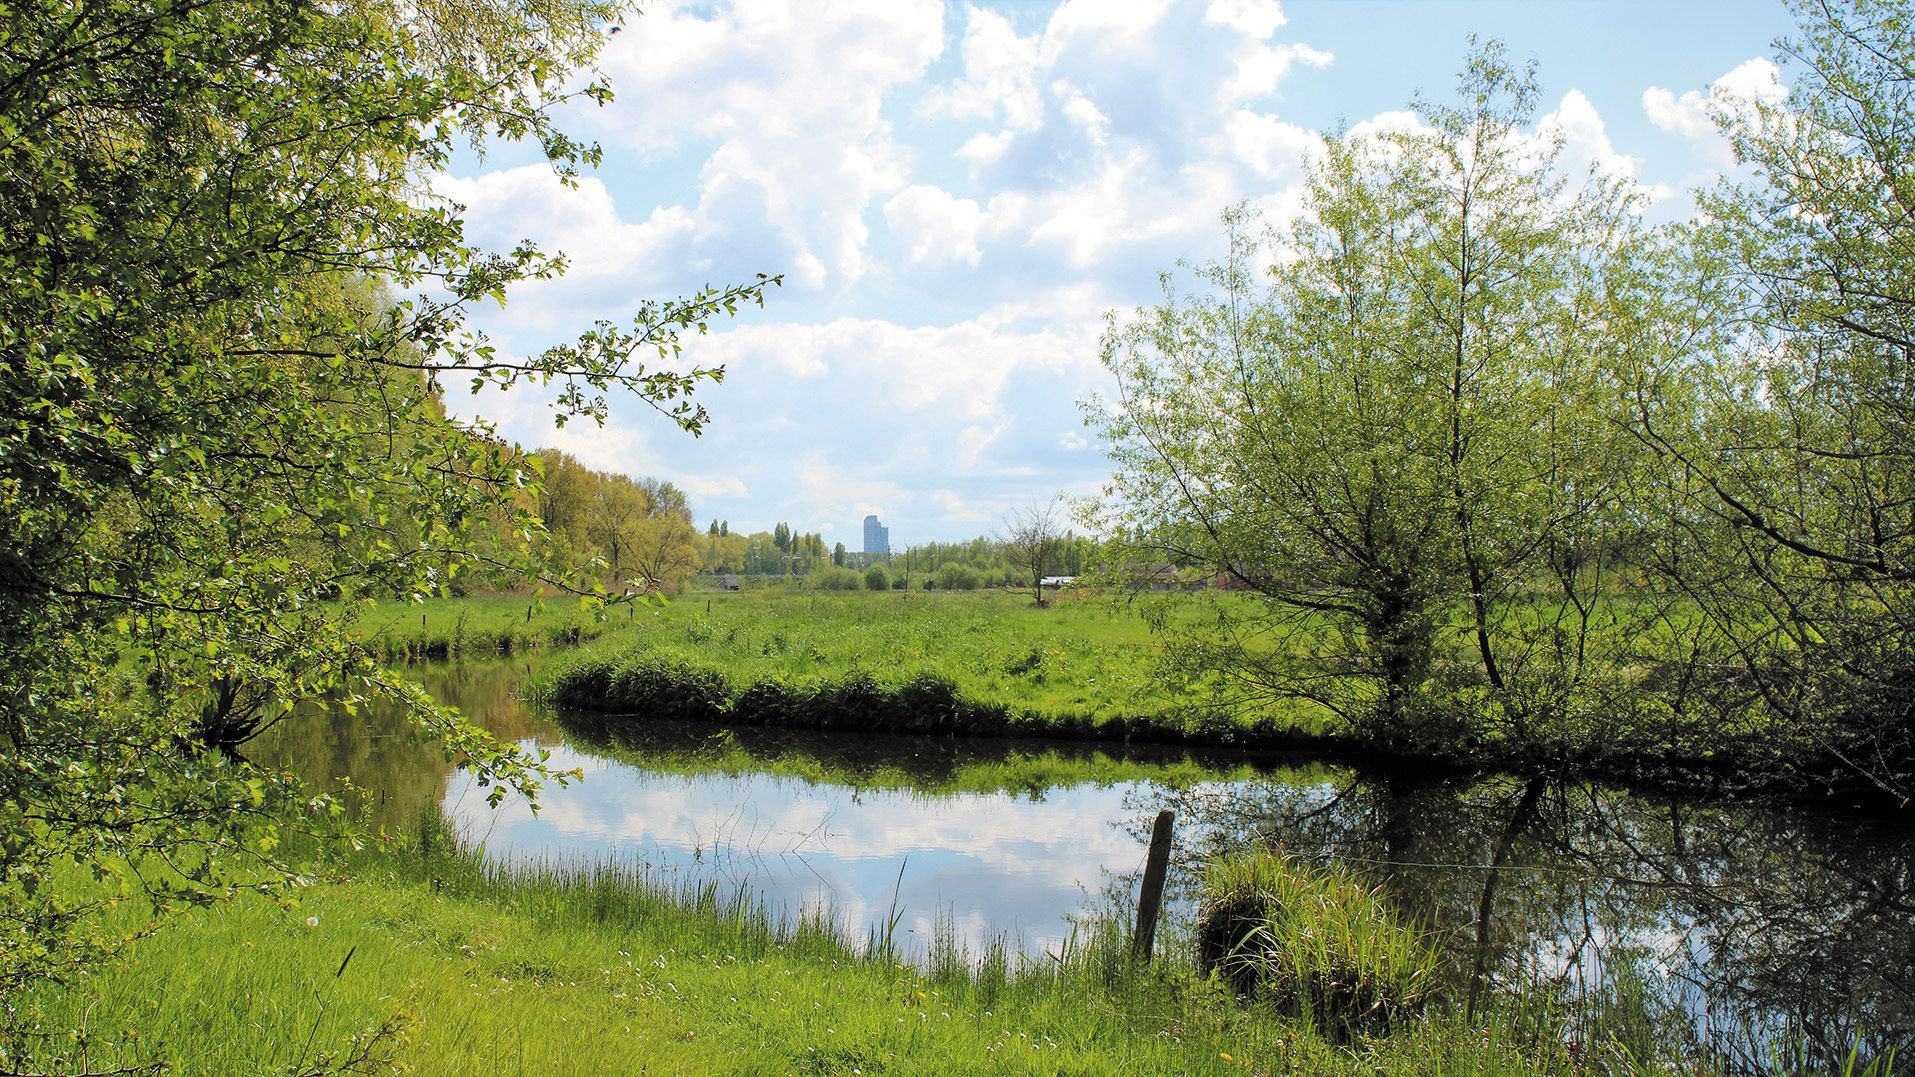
{"points": [[1313, 942], [437, 960], [482, 627]]}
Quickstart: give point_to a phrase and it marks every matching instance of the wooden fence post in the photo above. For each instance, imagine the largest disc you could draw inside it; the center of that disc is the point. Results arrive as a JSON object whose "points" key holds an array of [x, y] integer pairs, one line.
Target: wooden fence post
{"points": [[1151, 897]]}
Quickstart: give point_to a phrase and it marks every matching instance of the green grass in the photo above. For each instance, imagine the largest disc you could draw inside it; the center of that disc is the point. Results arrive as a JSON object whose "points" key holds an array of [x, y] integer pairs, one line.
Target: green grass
{"points": [[975, 664], [435, 961], [1312, 941], [482, 627]]}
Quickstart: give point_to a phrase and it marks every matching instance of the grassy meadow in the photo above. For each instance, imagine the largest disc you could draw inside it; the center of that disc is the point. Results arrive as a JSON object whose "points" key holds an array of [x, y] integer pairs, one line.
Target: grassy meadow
{"points": [[416, 955], [985, 664]]}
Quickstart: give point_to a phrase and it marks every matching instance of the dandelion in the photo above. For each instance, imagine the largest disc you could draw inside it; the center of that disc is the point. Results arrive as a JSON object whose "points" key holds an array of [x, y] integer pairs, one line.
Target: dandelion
{"points": [[312, 921]]}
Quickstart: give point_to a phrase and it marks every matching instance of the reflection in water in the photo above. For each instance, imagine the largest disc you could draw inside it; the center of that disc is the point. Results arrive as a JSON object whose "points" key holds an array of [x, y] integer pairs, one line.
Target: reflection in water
{"points": [[976, 865], [1761, 937], [395, 771]]}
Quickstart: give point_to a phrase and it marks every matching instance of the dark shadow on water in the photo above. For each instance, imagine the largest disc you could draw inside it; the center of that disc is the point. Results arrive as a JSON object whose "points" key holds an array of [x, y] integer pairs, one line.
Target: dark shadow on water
{"points": [[1756, 937]]}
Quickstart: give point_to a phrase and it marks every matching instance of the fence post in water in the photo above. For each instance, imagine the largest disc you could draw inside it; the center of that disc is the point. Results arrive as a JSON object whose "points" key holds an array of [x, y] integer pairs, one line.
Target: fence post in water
{"points": [[1151, 898]]}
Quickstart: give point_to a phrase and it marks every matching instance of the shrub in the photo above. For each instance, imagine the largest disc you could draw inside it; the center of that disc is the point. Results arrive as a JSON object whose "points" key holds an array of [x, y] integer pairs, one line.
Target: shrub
{"points": [[834, 578], [653, 684], [959, 578], [877, 579]]}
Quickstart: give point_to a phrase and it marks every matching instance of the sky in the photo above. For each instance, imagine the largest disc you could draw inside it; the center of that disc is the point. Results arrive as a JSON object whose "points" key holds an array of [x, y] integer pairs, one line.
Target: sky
{"points": [[958, 195]]}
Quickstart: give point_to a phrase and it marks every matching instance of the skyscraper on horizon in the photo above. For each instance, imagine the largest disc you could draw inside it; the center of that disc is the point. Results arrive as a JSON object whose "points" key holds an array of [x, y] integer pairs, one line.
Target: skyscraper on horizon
{"points": [[877, 537]]}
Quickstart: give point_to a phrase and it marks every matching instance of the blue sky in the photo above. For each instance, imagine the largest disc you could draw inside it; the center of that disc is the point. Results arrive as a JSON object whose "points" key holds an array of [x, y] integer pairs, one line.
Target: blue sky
{"points": [[957, 194]]}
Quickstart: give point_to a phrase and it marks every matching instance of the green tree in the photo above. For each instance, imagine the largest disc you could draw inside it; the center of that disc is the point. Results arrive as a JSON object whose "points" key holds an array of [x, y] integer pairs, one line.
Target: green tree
{"points": [[1402, 441], [1793, 459], [213, 429]]}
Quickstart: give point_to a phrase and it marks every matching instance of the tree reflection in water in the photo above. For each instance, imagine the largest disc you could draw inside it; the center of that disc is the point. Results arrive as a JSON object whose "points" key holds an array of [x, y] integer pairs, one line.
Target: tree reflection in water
{"points": [[1752, 937]]}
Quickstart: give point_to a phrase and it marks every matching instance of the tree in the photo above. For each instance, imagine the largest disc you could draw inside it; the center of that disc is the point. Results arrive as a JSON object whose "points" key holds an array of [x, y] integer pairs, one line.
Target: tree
{"points": [[217, 426], [617, 518], [837, 554], [1792, 468], [1400, 439], [1032, 541]]}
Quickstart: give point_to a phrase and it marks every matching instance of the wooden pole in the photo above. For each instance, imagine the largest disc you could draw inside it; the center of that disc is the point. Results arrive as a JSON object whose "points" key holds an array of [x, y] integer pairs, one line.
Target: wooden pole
{"points": [[1151, 898]]}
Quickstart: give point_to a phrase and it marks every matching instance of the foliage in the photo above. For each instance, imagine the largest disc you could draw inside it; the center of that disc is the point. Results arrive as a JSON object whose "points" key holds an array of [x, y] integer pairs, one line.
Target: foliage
{"points": [[876, 578], [1403, 445], [634, 535], [1792, 466], [959, 578], [835, 578], [215, 428]]}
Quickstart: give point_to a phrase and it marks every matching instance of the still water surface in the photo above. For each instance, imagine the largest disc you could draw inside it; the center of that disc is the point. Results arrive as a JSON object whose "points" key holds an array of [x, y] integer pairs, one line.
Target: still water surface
{"points": [[1750, 924]]}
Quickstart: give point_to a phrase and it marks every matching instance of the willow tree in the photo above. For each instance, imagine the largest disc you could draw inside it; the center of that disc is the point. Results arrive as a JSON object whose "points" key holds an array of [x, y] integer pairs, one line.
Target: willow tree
{"points": [[1793, 472], [1399, 436], [216, 436]]}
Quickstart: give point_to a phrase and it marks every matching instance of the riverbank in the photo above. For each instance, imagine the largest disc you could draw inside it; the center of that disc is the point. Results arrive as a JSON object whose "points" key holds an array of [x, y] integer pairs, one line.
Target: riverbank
{"points": [[1085, 668], [418, 953]]}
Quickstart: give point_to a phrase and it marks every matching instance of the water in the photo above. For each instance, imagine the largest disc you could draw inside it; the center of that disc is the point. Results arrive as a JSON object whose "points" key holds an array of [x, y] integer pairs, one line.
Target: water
{"points": [[980, 866], [1738, 929]]}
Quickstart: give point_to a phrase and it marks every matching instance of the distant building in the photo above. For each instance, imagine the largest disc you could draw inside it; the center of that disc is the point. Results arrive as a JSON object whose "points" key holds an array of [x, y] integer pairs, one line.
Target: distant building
{"points": [[877, 540]]}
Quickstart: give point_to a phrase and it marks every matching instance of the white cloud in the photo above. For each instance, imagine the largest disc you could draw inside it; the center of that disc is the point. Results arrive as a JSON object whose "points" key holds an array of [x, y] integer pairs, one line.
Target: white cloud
{"points": [[1112, 18], [1274, 150], [1083, 112], [713, 485], [1257, 19], [938, 226], [1586, 142], [999, 72], [1696, 116], [794, 100], [583, 223], [956, 507], [841, 498]]}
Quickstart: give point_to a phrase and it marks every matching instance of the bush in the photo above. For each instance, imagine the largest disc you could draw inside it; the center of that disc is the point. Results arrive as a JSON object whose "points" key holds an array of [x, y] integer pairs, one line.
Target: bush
{"points": [[833, 578], [877, 579], [960, 578], [652, 684]]}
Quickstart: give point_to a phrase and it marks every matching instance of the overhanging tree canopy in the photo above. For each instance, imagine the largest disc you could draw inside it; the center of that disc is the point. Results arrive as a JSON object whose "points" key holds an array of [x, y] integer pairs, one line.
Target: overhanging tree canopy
{"points": [[213, 423]]}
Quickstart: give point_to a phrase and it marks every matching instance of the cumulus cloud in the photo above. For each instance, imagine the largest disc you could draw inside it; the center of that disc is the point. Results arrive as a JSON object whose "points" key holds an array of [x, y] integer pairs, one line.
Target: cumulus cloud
{"points": [[1586, 142], [793, 99], [713, 485], [1273, 149], [937, 226], [1697, 116]]}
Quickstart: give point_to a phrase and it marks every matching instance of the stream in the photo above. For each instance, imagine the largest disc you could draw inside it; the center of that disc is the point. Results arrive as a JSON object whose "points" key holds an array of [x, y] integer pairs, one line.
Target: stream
{"points": [[1738, 927]]}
